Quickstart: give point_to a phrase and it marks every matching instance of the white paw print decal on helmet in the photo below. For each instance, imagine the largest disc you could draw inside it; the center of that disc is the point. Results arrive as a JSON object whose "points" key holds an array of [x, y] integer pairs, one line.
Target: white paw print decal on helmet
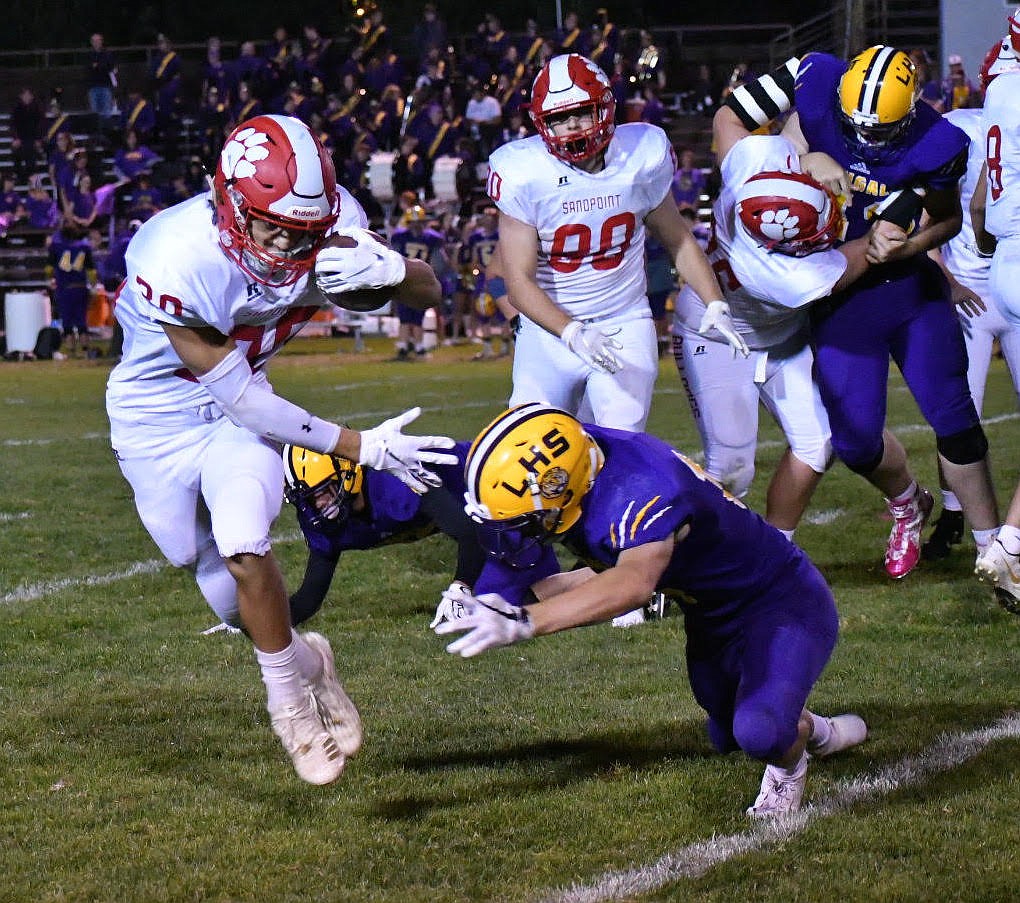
{"points": [[779, 225], [242, 152]]}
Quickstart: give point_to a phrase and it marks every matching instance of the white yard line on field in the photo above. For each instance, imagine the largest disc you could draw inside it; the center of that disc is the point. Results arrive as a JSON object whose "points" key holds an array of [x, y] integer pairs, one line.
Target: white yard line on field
{"points": [[693, 861], [30, 592]]}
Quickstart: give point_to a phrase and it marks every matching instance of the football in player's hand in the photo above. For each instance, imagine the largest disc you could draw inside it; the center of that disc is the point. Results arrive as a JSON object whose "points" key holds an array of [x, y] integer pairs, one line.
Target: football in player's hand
{"points": [[359, 300]]}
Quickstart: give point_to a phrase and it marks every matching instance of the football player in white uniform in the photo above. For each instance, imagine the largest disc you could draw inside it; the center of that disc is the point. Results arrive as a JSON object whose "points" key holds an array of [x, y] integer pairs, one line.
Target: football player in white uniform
{"points": [[967, 271], [772, 248], [995, 208], [215, 286], [573, 203]]}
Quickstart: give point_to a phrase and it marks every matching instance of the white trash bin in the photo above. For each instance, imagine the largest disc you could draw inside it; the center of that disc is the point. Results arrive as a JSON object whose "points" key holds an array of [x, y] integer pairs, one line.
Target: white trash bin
{"points": [[25, 313]]}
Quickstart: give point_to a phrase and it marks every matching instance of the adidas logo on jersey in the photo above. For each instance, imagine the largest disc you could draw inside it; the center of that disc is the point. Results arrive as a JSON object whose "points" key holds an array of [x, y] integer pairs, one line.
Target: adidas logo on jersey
{"points": [[860, 167]]}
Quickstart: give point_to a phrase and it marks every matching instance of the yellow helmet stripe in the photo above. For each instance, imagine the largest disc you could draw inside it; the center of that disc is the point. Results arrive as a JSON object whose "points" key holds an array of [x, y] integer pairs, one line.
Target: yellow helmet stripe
{"points": [[871, 83]]}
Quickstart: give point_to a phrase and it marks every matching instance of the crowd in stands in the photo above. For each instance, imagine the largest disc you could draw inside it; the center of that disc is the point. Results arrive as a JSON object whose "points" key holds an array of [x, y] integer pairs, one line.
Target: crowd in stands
{"points": [[359, 94]]}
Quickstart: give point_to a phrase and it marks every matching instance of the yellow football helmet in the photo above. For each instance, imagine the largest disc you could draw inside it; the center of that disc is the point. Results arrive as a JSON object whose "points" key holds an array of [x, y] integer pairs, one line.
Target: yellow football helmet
{"points": [[321, 487], [416, 215], [877, 94], [526, 475]]}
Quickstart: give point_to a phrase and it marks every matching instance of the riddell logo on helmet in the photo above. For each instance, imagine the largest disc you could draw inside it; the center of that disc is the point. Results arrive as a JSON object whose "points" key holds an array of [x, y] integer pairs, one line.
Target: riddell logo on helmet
{"points": [[303, 212]]}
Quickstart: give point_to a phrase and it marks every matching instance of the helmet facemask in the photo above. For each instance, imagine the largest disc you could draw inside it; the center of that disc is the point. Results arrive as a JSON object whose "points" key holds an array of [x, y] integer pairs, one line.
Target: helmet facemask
{"points": [[578, 146]]}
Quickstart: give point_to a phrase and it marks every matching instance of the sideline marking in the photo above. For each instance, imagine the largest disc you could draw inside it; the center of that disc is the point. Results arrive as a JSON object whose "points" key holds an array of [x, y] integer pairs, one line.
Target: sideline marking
{"points": [[694, 860]]}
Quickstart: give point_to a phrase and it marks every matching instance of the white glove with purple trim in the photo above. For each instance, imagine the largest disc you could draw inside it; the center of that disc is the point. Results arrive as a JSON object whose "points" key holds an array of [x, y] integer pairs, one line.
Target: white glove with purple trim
{"points": [[491, 622], [385, 447]]}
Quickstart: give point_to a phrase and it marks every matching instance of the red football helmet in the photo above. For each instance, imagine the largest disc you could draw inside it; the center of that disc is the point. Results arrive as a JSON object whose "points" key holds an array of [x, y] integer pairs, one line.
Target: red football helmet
{"points": [[272, 168], [1000, 58], [571, 83], [790, 212]]}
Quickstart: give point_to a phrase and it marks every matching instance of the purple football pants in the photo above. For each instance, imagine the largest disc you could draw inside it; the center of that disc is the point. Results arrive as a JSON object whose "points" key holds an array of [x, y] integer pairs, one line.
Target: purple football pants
{"points": [[753, 675], [911, 319]]}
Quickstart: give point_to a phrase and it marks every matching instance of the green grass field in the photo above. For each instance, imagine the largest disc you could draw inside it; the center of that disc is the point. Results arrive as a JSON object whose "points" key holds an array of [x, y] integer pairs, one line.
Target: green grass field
{"points": [[138, 764]]}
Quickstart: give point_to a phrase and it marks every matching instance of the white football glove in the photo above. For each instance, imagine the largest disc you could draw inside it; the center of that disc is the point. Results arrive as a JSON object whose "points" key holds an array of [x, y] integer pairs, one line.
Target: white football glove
{"points": [[452, 604], [594, 346], [717, 317], [491, 621], [370, 264], [385, 447]]}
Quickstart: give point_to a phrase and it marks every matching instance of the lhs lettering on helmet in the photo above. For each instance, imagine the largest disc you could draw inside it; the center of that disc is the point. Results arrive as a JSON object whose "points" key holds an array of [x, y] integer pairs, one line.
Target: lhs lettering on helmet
{"points": [[556, 444]]}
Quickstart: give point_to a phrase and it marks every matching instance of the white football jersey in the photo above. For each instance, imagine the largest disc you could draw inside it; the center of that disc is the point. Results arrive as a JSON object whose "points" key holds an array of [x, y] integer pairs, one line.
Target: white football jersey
{"points": [[959, 253], [767, 292], [1001, 145], [177, 274], [591, 258]]}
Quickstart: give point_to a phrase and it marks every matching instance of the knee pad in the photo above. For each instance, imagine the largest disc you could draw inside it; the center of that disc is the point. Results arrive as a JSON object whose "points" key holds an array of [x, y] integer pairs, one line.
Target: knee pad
{"points": [[867, 466], [965, 447], [735, 472], [761, 734]]}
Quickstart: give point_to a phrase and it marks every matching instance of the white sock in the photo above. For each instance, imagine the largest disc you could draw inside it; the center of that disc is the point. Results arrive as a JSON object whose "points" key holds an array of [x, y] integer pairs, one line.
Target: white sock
{"points": [[950, 502], [820, 730], [906, 495], [787, 533], [984, 538], [790, 774], [1010, 538], [281, 673]]}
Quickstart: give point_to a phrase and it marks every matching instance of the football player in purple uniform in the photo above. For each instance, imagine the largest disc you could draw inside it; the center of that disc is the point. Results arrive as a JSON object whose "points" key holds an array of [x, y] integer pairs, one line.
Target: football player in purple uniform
{"points": [[415, 242], [760, 620], [342, 506], [864, 115]]}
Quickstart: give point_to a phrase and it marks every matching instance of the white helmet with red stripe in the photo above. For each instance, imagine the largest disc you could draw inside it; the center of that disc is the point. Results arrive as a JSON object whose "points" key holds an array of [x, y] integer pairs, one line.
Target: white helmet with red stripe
{"points": [[1000, 58], [272, 168], [573, 84], [789, 212]]}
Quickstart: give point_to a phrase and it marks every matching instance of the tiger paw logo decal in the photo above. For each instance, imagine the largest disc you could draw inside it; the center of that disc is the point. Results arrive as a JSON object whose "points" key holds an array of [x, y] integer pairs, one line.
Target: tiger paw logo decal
{"points": [[553, 483], [780, 225], [242, 152]]}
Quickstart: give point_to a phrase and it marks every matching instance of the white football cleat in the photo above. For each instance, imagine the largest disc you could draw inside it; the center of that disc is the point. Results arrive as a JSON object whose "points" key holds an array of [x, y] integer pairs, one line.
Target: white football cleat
{"points": [[630, 618], [317, 758], [1001, 571], [339, 715], [778, 796], [845, 731]]}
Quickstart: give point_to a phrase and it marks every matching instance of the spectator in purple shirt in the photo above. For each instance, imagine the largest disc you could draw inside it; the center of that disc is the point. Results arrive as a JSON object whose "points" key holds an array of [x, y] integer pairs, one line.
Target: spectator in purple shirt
{"points": [[688, 180]]}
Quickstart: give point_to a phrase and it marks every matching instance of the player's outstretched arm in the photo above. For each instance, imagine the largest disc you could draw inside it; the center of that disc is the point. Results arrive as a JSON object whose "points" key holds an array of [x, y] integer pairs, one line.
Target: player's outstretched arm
{"points": [[420, 288], [491, 622]]}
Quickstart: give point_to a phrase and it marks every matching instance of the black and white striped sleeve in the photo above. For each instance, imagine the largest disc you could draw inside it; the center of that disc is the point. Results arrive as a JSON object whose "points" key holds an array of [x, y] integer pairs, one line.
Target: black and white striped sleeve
{"points": [[759, 102]]}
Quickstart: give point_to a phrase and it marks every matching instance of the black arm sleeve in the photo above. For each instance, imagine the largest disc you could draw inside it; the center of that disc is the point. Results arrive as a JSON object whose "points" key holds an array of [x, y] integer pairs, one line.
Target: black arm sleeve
{"points": [[903, 208], [448, 515], [759, 102], [309, 597]]}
